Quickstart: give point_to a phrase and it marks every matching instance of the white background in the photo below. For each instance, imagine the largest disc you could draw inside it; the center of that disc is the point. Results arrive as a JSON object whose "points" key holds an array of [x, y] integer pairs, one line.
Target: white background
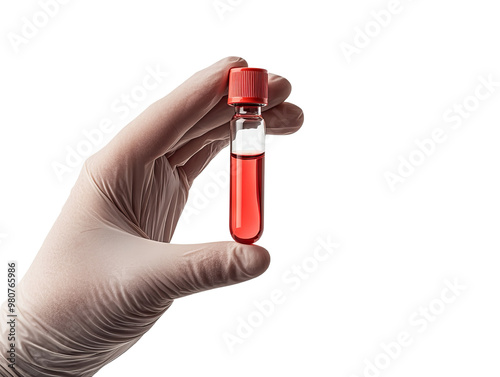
{"points": [[397, 247]]}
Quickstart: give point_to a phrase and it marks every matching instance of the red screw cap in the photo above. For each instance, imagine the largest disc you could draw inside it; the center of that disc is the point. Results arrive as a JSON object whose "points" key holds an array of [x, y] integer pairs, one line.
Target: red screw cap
{"points": [[247, 85]]}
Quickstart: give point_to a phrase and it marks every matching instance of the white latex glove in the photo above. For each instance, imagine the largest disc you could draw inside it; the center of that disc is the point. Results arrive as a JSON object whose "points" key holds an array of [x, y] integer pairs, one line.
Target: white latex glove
{"points": [[106, 271]]}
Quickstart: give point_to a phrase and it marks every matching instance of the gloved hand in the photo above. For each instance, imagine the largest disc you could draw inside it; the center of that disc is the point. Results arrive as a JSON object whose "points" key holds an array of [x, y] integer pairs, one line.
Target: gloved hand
{"points": [[106, 271]]}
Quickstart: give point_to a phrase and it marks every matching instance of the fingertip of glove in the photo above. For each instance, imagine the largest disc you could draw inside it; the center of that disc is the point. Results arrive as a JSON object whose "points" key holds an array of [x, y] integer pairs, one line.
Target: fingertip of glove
{"points": [[236, 60], [253, 260]]}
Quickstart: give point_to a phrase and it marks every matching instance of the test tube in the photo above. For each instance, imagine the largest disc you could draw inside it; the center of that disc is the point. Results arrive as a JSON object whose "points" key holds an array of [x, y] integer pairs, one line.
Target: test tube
{"points": [[248, 93]]}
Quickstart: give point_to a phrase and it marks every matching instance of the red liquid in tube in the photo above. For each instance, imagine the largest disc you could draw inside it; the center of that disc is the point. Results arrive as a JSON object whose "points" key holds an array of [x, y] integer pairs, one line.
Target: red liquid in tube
{"points": [[246, 218]]}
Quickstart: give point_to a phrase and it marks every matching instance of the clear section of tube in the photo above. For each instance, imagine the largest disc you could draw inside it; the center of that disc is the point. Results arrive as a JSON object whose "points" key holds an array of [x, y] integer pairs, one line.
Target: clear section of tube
{"points": [[248, 130]]}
